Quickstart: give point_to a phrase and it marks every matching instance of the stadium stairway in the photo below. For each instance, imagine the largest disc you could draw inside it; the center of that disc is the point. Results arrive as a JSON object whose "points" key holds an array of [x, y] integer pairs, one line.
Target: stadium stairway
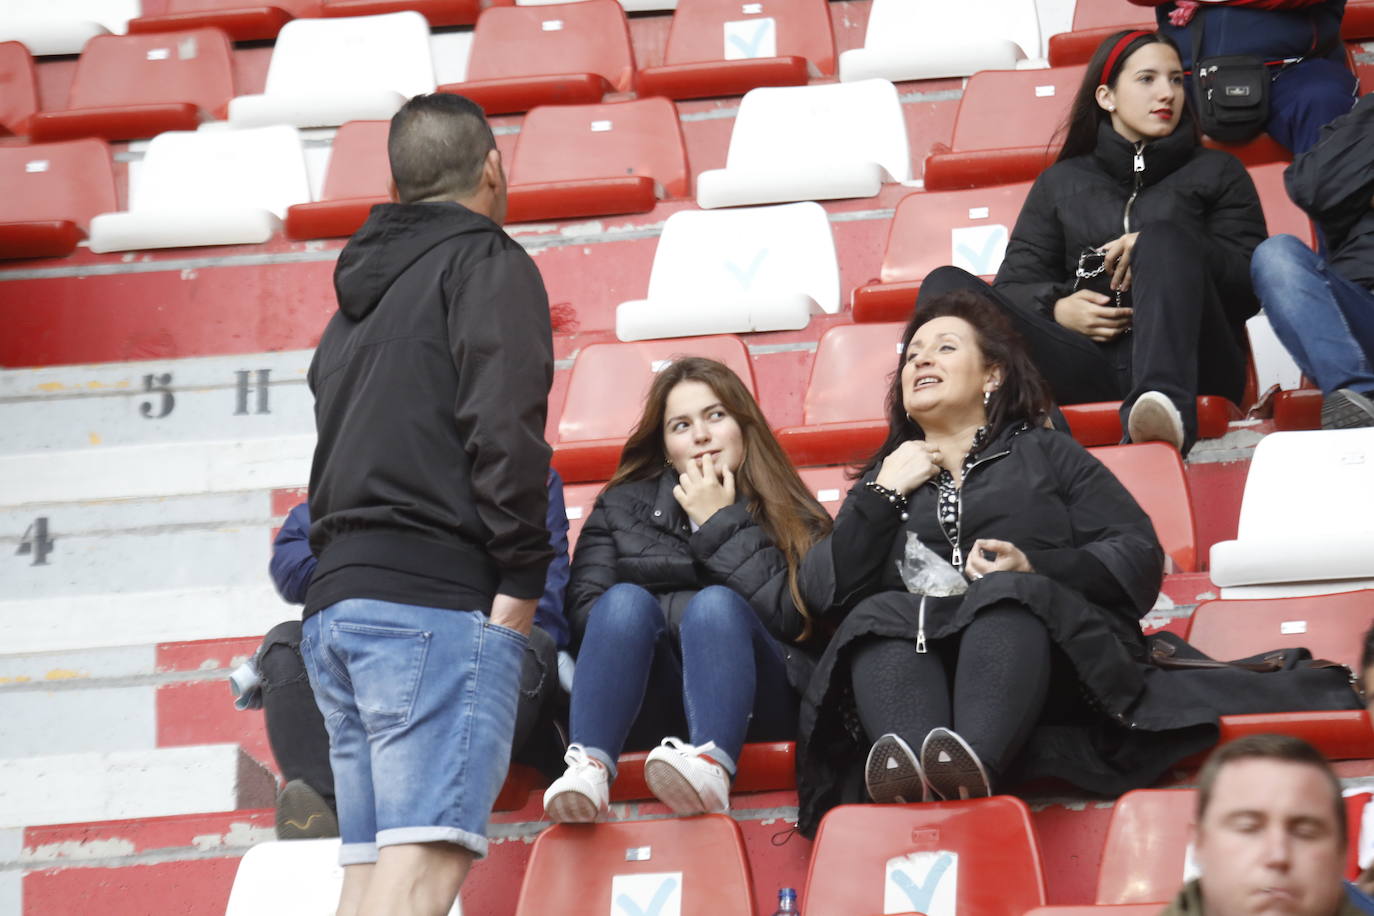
{"points": [[154, 430]]}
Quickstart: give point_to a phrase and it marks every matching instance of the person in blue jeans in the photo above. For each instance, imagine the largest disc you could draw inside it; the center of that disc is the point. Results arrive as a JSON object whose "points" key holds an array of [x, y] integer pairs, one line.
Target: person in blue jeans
{"points": [[684, 596], [1322, 309], [1315, 84], [427, 497], [295, 728]]}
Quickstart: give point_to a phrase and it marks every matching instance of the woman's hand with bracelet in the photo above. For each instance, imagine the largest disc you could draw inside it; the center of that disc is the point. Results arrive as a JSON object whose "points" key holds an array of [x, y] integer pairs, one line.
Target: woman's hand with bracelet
{"points": [[908, 466]]}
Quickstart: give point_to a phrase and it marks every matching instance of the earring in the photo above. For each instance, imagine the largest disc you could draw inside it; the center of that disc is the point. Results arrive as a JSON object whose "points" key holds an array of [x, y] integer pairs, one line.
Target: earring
{"points": [[667, 463], [1111, 108], [987, 397]]}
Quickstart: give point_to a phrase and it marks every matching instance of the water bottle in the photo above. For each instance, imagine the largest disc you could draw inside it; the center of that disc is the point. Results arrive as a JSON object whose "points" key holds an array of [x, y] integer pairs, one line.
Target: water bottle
{"points": [[787, 902]]}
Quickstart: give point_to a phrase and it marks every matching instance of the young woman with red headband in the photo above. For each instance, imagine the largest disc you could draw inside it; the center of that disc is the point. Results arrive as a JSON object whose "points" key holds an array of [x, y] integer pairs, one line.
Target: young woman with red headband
{"points": [[1128, 269]]}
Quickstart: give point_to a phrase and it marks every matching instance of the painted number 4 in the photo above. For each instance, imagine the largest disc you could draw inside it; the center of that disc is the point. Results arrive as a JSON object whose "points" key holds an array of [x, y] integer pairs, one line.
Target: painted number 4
{"points": [[36, 542]]}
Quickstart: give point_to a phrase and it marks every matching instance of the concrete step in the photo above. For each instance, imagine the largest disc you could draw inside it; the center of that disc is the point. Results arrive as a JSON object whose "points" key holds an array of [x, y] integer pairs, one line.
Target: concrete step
{"points": [[69, 788], [107, 405]]}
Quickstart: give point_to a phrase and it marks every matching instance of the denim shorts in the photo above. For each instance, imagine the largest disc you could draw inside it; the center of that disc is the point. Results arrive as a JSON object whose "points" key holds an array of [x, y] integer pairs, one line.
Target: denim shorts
{"points": [[420, 706]]}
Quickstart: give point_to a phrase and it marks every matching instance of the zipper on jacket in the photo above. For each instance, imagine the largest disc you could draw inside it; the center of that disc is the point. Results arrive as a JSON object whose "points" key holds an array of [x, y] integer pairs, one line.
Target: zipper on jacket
{"points": [[1138, 168], [957, 555]]}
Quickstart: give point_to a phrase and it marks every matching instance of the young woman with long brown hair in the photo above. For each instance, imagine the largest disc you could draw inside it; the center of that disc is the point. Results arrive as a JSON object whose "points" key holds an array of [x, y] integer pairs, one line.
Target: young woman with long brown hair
{"points": [[685, 600]]}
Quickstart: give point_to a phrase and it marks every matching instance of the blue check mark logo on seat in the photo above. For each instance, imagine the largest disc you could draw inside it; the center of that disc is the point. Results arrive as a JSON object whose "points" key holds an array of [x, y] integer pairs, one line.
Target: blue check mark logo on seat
{"points": [[921, 894], [630, 908], [746, 277], [751, 47], [981, 261]]}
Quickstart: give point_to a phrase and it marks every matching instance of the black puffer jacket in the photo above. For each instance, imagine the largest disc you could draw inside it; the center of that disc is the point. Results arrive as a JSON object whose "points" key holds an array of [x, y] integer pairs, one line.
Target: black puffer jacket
{"points": [[1334, 183], [638, 533], [1082, 203]]}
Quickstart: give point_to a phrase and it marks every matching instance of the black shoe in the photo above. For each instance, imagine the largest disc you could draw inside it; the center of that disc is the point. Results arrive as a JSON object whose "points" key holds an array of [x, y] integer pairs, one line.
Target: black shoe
{"points": [[1346, 409], [303, 814], [952, 768], [893, 774]]}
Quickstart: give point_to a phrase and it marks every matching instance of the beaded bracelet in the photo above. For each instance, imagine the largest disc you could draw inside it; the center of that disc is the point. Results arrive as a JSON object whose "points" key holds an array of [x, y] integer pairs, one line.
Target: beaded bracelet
{"points": [[897, 500]]}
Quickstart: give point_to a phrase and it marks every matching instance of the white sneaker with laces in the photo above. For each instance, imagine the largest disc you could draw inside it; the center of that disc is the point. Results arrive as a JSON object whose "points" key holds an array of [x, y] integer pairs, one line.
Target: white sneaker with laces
{"points": [[685, 779], [582, 794]]}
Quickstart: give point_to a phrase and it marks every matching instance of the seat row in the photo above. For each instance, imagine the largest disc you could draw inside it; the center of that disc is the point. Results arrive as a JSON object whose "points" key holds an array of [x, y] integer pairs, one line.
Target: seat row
{"points": [[933, 858]]}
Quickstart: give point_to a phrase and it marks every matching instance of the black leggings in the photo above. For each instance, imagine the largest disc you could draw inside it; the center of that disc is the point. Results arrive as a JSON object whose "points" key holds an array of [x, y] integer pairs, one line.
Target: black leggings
{"points": [[1181, 344], [295, 728], [1001, 675]]}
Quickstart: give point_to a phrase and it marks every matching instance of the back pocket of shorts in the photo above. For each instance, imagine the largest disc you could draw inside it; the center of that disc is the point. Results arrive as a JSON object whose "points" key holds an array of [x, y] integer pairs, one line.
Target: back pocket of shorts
{"points": [[384, 665]]}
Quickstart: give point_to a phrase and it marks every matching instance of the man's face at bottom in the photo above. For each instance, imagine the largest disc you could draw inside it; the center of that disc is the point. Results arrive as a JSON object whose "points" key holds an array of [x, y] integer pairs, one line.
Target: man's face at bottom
{"points": [[1269, 842]]}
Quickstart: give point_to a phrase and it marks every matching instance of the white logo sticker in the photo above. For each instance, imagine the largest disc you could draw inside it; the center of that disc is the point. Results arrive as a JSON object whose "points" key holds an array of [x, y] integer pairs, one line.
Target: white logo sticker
{"points": [[922, 882], [978, 249], [647, 895], [746, 39]]}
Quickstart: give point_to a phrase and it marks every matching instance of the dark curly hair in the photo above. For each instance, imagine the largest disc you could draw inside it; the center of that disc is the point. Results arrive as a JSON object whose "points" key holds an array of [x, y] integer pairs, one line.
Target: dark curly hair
{"points": [[1023, 396]]}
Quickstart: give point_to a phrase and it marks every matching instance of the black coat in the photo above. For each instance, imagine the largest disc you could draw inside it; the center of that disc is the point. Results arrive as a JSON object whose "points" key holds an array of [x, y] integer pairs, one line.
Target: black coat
{"points": [[1334, 183], [1081, 203], [638, 533], [1098, 569]]}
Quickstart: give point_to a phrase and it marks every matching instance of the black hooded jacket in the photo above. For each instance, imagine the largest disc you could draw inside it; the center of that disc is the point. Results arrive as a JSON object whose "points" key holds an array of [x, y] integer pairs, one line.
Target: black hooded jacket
{"points": [[1334, 183], [431, 390], [1081, 203]]}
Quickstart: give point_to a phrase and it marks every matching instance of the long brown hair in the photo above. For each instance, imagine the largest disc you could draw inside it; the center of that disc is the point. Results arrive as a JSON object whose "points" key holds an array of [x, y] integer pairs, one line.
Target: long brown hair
{"points": [[775, 495]]}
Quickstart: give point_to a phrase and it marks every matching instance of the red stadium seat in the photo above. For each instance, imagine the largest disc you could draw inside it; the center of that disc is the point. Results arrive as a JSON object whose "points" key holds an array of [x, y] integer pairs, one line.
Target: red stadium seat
{"points": [[438, 12], [52, 191], [1280, 213], [1340, 734], [1329, 626], [355, 183], [763, 767], [18, 88], [997, 106], [696, 866], [515, 792], [564, 54], [968, 229], [579, 500], [977, 858], [1093, 22], [1153, 473], [606, 397], [1358, 21], [129, 86], [723, 47], [243, 20], [1100, 423], [830, 485], [590, 160], [1125, 909], [1147, 845], [842, 414]]}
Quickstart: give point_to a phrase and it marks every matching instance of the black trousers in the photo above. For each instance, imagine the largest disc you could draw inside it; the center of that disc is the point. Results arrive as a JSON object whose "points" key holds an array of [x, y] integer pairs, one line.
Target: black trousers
{"points": [[295, 728], [989, 684], [1181, 343]]}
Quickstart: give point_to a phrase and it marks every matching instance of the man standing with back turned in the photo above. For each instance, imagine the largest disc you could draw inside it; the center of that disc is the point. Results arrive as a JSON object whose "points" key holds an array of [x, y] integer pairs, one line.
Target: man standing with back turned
{"points": [[428, 497]]}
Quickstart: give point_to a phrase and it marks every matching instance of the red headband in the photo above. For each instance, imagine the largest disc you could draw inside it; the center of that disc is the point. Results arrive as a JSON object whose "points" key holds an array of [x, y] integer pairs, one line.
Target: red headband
{"points": [[1121, 44]]}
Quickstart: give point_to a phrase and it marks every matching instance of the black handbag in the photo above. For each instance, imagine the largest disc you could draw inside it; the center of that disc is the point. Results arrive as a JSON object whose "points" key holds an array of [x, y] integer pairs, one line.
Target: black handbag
{"points": [[1230, 94]]}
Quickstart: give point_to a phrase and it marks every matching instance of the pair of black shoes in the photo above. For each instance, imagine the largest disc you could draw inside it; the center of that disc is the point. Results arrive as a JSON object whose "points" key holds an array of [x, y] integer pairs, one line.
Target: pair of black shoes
{"points": [[947, 768]]}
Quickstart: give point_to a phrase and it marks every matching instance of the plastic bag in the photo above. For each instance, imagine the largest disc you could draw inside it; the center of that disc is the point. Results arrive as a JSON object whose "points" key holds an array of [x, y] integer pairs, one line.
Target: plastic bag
{"points": [[924, 572]]}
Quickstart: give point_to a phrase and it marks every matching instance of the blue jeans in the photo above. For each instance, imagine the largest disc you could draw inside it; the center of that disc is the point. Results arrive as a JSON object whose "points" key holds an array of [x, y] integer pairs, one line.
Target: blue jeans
{"points": [[726, 673], [1306, 96], [419, 703], [1324, 320]]}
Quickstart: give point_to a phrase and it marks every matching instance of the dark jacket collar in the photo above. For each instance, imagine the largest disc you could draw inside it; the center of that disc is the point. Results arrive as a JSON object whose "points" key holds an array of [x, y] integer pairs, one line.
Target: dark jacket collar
{"points": [[1116, 155]]}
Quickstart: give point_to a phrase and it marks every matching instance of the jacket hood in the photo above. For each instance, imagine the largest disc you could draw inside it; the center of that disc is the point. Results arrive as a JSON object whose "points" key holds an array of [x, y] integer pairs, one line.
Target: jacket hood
{"points": [[1163, 156], [394, 237]]}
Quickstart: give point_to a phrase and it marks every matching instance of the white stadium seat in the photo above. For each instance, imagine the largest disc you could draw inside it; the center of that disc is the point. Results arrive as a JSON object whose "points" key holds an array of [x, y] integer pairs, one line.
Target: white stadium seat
{"points": [[325, 72], [1306, 520], [291, 878], [63, 26], [208, 187], [811, 143], [733, 271], [926, 39], [631, 6]]}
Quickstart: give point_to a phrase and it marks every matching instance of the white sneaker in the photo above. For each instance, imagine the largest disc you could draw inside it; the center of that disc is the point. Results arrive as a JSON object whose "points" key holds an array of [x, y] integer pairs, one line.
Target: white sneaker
{"points": [[582, 794], [1154, 418], [683, 778]]}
